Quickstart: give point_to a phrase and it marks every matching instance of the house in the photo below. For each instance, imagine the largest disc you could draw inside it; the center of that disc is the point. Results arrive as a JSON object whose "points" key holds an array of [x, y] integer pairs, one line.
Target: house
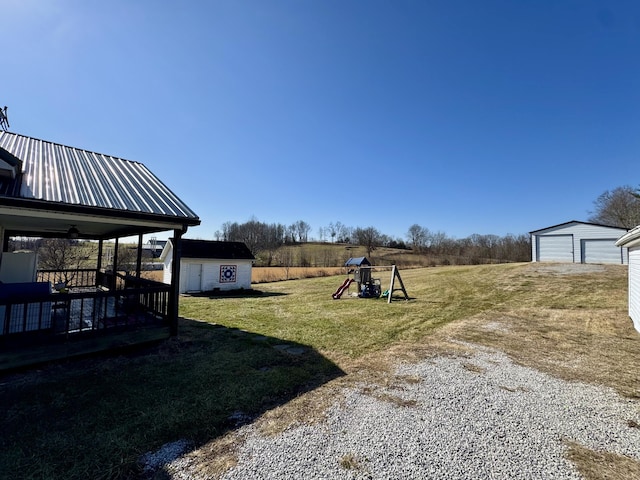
{"points": [[49, 190], [631, 241], [154, 247], [578, 242], [209, 265]]}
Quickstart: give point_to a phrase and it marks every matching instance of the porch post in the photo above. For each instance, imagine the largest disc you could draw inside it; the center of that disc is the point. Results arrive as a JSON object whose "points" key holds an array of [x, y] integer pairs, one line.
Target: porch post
{"points": [[99, 277], [4, 242], [175, 282], [100, 247], [139, 258], [114, 278], [115, 255]]}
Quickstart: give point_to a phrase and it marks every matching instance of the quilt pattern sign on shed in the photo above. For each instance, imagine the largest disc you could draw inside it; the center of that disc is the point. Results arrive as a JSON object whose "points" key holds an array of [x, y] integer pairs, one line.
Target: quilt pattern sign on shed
{"points": [[228, 273]]}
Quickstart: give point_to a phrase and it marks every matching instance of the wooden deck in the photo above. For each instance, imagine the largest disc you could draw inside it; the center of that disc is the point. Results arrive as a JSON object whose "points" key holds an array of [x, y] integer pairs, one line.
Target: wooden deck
{"points": [[45, 326], [13, 358]]}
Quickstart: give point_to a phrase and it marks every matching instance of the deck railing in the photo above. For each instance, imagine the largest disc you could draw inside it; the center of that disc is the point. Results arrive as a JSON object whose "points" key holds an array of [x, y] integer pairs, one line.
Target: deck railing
{"points": [[83, 309], [79, 277]]}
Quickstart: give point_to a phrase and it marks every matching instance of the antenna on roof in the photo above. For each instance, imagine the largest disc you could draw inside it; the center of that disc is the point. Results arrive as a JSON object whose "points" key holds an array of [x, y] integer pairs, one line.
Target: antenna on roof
{"points": [[4, 120]]}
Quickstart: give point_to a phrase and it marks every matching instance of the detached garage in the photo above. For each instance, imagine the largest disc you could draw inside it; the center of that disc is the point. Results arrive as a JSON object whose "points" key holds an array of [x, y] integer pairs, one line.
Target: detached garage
{"points": [[210, 265], [631, 241], [578, 242]]}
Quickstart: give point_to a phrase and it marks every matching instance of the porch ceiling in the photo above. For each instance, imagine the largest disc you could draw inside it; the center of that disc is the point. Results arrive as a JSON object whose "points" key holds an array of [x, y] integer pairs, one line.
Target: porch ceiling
{"points": [[45, 223]]}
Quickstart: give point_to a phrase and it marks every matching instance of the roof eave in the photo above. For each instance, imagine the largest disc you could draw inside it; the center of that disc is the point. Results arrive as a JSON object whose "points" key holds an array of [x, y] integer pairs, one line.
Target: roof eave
{"points": [[630, 239], [576, 221]]}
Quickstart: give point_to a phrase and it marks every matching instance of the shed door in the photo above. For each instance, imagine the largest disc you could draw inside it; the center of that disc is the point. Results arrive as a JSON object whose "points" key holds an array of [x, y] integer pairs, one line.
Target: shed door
{"points": [[601, 251], [194, 277], [555, 248]]}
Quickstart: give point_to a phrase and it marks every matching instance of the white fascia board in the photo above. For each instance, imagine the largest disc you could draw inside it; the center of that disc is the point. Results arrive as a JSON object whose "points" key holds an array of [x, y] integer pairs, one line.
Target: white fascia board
{"points": [[630, 239]]}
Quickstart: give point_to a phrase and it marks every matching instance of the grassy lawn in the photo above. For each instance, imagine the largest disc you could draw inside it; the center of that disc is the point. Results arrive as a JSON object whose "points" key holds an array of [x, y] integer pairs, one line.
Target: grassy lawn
{"points": [[237, 358]]}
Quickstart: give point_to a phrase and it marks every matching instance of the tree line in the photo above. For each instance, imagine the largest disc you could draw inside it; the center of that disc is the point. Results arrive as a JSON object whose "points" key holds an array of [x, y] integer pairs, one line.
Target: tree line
{"points": [[264, 240], [619, 207]]}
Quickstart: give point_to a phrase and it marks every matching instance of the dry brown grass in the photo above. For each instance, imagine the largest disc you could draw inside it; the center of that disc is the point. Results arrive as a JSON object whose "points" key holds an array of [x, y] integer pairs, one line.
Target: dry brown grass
{"points": [[595, 465], [277, 274], [155, 275]]}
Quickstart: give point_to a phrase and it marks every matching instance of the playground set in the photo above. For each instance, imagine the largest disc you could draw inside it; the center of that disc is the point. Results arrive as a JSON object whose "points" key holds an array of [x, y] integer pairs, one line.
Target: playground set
{"points": [[369, 287]]}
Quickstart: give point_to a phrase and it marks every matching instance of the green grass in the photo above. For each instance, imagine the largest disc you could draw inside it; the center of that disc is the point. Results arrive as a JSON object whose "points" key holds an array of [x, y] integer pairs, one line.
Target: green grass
{"points": [[303, 311], [94, 418]]}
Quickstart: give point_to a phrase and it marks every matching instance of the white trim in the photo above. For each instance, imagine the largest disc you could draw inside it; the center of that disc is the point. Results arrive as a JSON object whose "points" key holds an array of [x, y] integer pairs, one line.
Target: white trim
{"points": [[630, 239]]}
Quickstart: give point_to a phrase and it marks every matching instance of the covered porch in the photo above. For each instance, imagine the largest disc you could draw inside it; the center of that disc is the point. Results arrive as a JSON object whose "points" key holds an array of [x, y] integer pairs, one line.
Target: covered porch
{"points": [[99, 311], [50, 191]]}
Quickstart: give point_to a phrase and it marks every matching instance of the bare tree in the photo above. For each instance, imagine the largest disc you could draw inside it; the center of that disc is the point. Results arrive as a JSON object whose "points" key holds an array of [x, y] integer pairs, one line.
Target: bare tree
{"points": [[64, 256], [285, 258], [333, 231], [127, 258], [255, 235], [344, 233], [417, 236], [302, 229], [619, 207], [290, 234], [368, 237], [438, 242]]}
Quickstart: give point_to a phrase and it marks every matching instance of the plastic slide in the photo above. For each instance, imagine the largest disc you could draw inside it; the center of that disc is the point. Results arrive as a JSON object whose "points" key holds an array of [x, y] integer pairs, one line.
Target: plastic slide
{"points": [[342, 288]]}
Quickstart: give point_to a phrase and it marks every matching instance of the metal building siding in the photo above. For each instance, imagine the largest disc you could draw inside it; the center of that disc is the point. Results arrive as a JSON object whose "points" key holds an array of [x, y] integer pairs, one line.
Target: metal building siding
{"points": [[580, 232], [634, 286], [57, 173]]}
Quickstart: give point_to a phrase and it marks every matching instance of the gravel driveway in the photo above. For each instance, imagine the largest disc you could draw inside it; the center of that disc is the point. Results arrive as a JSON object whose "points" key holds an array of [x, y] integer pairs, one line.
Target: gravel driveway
{"points": [[480, 416]]}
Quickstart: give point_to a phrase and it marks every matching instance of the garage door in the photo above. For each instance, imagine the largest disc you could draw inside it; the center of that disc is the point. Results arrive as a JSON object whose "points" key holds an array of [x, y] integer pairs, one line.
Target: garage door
{"points": [[555, 248], [601, 251]]}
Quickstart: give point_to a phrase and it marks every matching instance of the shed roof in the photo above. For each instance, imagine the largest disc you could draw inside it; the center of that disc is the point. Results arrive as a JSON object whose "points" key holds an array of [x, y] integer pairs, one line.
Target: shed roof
{"points": [[357, 261], [211, 249]]}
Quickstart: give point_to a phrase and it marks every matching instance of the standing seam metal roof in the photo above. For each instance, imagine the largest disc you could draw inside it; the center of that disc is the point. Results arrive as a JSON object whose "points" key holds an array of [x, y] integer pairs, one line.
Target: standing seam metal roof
{"points": [[56, 173]]}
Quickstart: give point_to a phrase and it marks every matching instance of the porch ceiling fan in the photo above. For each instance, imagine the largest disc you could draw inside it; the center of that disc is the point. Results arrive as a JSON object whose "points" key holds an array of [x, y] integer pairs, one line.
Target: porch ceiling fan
{"points": [[73, 232]]}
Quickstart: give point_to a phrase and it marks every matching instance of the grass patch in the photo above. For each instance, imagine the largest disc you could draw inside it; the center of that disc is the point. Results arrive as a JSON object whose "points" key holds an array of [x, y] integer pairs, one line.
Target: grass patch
{"points": [[595, 465], [94, 418], [350, 462]]}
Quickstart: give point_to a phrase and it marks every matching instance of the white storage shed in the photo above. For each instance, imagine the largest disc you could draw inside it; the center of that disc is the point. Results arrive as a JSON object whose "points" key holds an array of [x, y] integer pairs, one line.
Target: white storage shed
{"points": [[578, 242], [210, 265], [631, 241]]}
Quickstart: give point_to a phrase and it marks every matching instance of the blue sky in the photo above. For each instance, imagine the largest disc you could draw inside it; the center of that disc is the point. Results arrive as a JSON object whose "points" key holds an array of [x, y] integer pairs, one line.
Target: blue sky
{"points": [[488, 117]]}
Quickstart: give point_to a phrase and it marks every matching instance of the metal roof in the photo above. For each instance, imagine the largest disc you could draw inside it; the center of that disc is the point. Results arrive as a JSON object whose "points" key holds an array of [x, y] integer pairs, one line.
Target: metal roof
{"points": [[57, 173], [577, 221]]}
